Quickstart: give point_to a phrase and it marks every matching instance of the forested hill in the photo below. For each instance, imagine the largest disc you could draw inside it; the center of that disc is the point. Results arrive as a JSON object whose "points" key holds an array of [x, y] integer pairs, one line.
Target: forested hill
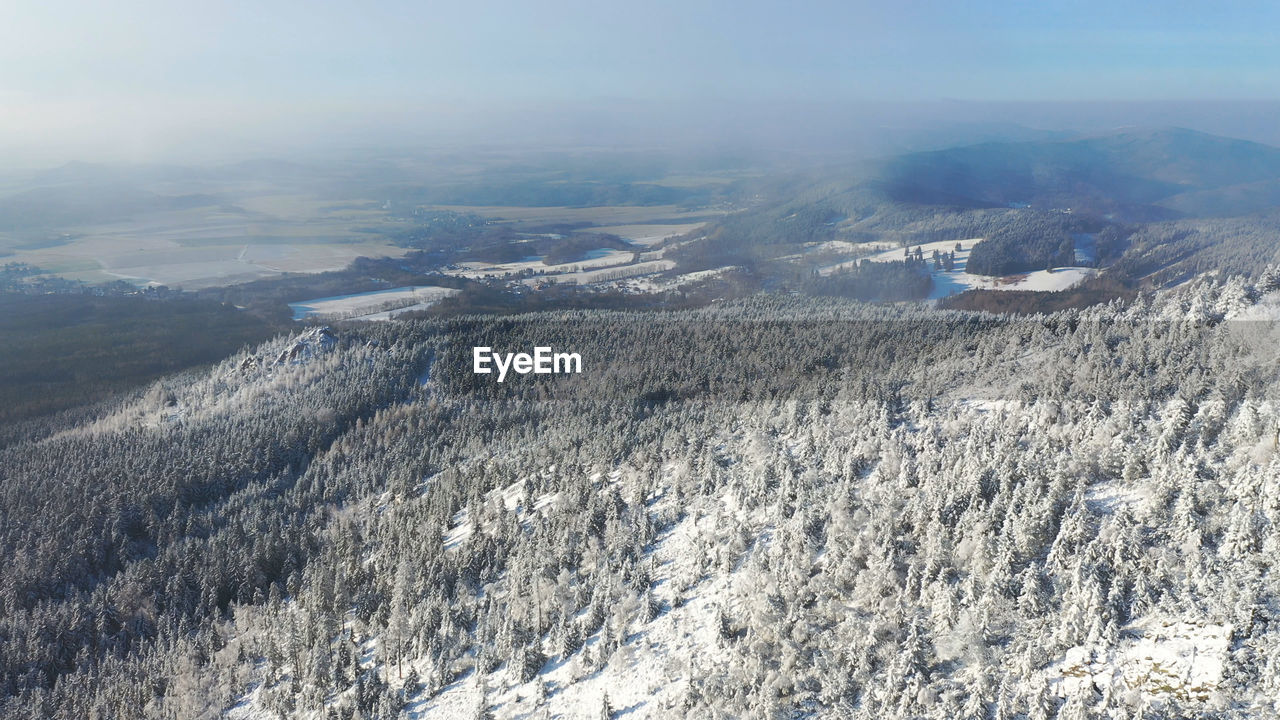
{"points": [[767, 509], [1151, 208], [1135, 175]]}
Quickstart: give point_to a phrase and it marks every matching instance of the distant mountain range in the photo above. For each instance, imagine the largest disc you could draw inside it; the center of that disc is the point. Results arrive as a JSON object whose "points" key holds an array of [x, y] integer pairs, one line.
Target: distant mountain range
{"points": [[1137, 174]]}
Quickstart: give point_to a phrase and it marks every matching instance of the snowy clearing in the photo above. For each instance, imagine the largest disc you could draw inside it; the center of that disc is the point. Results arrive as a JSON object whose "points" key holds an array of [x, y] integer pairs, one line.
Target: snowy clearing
{"points": [[369, 303], [650, 285], [649, 234], [957, 281], [600, 258], [616, 272]]}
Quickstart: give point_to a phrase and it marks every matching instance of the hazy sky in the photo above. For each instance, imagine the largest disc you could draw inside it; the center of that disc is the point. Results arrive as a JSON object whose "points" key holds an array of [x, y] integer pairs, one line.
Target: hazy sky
{"points": [[140, 76]]}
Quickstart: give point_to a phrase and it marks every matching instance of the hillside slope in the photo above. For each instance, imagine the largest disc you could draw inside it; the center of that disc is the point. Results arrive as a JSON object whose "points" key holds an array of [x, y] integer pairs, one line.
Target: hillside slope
{"points": [[766, 509], [1138, 175]]}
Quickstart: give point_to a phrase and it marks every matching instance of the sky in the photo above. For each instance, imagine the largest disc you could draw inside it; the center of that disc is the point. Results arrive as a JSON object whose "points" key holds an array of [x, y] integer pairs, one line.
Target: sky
{"points": [[145, 77]]}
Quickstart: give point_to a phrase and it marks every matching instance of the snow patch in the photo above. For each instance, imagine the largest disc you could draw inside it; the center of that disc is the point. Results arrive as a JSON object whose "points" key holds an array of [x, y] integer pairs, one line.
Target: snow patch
{"points": [[643, 677], [1110, 496], [369, 303], [946, 283], [461, 526], [1161, 659]]}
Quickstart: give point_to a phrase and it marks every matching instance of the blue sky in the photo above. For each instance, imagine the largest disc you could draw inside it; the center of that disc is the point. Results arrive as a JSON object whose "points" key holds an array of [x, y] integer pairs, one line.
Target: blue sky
{"points": [[90, 72]]}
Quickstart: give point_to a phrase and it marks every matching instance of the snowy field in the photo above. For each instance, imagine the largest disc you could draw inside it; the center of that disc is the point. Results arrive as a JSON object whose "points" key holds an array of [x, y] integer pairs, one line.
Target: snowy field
{"points": [[371, 305], [386, 315], [599, 265], [605, 274], [649, 234], [599, 258], [957, 281], [653, 285], [261, 236]]}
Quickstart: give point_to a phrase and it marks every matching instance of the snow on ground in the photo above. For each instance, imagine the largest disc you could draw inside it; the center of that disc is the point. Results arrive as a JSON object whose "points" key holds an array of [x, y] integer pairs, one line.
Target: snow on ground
{"points": [[645, 677], [649, 234], [386, 315], [1110, 496], [957, 281], [1265, 312], [1156, 659], [368, 303], [850, 246], [1053, 280], [599, 265], [461, 528], [1161, 659], [599, 258], [616, 272], [237, 383], [650, 285], [991, 405], [1086, 248]]}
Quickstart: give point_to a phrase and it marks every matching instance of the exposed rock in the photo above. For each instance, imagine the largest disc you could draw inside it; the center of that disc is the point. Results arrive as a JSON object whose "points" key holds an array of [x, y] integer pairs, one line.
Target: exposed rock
{"points": [[309, 343]]}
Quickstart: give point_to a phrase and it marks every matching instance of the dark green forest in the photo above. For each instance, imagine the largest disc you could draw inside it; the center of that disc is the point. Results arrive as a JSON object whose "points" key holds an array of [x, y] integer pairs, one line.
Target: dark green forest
{"points": [[70, 349]]}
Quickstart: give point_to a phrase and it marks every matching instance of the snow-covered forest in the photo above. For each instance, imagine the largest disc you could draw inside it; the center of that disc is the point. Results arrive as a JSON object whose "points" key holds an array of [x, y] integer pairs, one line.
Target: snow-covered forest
{"points": [[770, 508]]}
